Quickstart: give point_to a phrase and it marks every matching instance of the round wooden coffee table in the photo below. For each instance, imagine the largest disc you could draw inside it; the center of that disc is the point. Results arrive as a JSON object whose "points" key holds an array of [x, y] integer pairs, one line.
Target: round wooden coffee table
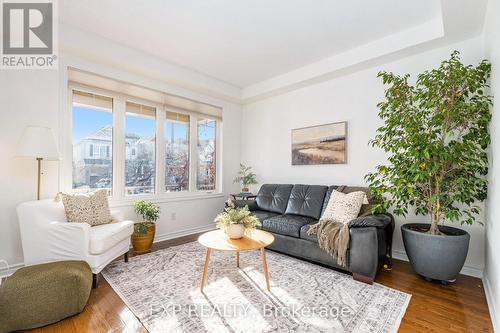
{"points": [[218, 240]]}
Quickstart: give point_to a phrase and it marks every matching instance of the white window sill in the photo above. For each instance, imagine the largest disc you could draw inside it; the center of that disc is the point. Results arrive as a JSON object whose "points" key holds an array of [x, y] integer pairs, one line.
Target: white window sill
{"points": [[167, 197]]}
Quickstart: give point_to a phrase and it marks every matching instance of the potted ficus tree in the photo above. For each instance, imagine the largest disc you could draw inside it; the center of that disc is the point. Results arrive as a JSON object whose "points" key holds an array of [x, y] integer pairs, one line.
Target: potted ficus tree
{"points": [[144, 231], [245, 177], [435, 134]]}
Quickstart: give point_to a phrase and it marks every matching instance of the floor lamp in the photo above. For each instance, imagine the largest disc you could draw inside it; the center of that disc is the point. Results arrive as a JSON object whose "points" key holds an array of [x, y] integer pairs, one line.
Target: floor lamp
{"points": [[38, 143]]}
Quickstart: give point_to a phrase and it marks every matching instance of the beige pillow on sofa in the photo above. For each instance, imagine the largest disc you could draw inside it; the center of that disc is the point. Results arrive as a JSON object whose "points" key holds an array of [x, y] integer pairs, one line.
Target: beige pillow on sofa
{"points": [[343, 207], [91, 208]]}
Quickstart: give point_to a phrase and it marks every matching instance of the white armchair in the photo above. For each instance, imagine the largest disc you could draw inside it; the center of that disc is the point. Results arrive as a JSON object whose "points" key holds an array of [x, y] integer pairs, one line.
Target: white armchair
{"points": [[46, 236]]}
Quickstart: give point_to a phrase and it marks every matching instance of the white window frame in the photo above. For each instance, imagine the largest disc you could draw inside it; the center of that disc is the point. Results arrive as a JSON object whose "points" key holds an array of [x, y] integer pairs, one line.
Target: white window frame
{"points": [[194, 126], [118, 147], [157, 106], [190, 153]]}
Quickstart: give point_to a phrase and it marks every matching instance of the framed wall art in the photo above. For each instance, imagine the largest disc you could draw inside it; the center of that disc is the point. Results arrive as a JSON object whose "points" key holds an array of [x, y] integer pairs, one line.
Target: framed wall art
{"points": [[322, 144]]}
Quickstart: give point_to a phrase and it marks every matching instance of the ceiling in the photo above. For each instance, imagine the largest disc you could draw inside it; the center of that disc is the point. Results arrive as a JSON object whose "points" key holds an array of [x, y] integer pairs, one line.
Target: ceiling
{"points": [[246, 42]]}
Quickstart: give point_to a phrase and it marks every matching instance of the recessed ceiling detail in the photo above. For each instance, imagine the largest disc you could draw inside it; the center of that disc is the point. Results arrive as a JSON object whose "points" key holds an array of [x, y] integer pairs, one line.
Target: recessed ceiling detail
{"points": [[264, 45]]}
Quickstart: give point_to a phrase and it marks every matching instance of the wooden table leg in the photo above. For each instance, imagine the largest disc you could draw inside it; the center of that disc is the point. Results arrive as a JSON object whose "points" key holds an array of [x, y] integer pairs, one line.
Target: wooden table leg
{"points": [[205, 268], [238, 259], [264, 267]]}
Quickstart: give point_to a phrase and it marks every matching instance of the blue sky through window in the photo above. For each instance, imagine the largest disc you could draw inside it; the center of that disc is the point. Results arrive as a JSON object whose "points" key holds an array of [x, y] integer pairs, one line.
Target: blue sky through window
{"points": [[179, 131], [140, 125], [87, 121], [206, 130]]}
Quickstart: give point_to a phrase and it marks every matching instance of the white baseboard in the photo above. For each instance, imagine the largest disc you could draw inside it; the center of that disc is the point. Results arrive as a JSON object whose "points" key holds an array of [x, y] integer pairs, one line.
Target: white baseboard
{"points": [[184, 232], [169, 235], [490, 298], [466, 270]]}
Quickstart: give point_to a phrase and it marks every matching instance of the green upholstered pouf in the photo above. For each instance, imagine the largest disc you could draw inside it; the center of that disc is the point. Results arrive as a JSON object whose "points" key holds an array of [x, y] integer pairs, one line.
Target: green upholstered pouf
{"points": [[39, 295]]}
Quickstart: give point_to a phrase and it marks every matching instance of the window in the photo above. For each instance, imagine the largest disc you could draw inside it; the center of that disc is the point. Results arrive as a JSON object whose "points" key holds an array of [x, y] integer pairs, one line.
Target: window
{"points": [[140, 157], [205, 180], [142, 143], [100, 151], [92, 141], [176, 152]]}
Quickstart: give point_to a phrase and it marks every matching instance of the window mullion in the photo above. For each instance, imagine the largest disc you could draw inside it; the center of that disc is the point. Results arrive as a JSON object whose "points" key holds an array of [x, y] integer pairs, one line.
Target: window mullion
{"points": [[118, 148], [68, 145], [160, 151], [218, 157], [193, 152]]}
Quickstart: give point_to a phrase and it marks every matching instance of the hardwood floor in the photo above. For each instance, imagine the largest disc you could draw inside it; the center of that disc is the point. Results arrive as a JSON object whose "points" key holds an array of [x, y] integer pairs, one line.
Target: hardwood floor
{"points": [[456, 307]]}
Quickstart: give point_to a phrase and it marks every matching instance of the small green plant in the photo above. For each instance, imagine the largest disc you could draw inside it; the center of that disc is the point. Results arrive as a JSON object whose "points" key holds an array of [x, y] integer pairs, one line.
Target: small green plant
{"points": [[436, 136], [149, 212], [245, 176], [236, 215]]}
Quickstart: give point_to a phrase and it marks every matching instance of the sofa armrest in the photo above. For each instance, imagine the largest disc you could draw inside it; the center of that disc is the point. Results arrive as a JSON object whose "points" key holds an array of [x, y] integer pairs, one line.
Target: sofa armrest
{"points": [[384, 222], [363, 253], [252, 204], [380, 221], [68, 240]]}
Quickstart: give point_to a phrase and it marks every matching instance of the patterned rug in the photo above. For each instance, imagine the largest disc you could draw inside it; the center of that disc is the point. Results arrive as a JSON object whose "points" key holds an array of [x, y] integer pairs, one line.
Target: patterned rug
{"points": [[163, 290]]}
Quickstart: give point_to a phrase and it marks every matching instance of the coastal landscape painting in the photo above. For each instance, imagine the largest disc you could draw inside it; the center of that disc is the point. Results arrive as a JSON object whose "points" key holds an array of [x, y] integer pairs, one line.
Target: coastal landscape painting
{"points": [[323, 144]]}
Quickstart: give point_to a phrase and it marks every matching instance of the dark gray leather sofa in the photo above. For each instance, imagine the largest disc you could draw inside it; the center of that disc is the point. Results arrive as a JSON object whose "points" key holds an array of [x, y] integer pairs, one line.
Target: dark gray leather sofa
{"points": [[287, 211]]}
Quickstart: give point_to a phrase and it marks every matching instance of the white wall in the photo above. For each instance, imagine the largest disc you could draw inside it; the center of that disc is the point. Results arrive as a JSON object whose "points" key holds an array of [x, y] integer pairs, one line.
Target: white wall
{"points": [[26, 98], [29, 97], [492, 265], [353, 98]]}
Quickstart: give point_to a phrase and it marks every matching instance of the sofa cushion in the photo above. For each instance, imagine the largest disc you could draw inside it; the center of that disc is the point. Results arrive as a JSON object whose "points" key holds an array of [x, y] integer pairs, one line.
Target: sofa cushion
{"points": [[288, 225], [304, 235], [263, 215], [273, 197], [306, 200], [105, 236]]}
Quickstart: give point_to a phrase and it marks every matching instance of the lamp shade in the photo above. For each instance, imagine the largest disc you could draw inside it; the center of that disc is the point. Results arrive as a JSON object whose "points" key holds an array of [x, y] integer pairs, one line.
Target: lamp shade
{"points": [[38, 142]]}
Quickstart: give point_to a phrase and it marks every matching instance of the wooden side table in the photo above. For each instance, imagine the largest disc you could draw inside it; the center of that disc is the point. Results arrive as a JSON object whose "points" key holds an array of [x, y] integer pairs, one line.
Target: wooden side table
{"points": [[244, 196], [218, 240]]}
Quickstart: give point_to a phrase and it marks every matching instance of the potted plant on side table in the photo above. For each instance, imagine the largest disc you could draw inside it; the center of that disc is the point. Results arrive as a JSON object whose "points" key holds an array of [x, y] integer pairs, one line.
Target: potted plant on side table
{"points": [[245, 177], [234, 221], [436, 137], [144, 232]]}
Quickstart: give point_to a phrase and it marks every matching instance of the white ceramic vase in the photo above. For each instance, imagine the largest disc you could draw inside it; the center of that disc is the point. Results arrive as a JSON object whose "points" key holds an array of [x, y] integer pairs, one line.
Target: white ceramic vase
{"points": [[235, 231]]}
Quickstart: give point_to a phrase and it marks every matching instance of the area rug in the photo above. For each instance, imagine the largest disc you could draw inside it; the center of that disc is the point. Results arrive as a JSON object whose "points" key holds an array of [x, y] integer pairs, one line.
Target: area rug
{"points": [[163, 290]]}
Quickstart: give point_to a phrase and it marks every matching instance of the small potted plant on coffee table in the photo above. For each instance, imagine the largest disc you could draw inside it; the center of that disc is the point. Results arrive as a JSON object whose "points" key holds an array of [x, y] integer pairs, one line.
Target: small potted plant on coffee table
{"points": [[234, 221], [144, 232]]}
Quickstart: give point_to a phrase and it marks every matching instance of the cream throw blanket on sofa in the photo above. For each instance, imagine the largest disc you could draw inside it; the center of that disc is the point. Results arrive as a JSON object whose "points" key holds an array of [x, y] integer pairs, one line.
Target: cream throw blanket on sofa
{"points": [[333, 226]]}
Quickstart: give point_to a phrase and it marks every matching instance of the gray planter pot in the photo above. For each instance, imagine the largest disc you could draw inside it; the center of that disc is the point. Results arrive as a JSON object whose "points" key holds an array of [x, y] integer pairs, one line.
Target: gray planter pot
{"points": [[439, 257]]}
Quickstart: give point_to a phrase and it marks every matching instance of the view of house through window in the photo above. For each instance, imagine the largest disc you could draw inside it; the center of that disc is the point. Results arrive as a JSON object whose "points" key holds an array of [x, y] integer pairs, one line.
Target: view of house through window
{"points": [[140, 129], [92, 141], [206, 155], [176, 152]]}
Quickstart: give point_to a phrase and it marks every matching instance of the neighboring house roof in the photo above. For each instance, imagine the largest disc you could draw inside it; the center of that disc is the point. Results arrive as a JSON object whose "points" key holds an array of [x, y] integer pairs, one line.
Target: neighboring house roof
{"points": [[106, 134], [146, 139]]}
